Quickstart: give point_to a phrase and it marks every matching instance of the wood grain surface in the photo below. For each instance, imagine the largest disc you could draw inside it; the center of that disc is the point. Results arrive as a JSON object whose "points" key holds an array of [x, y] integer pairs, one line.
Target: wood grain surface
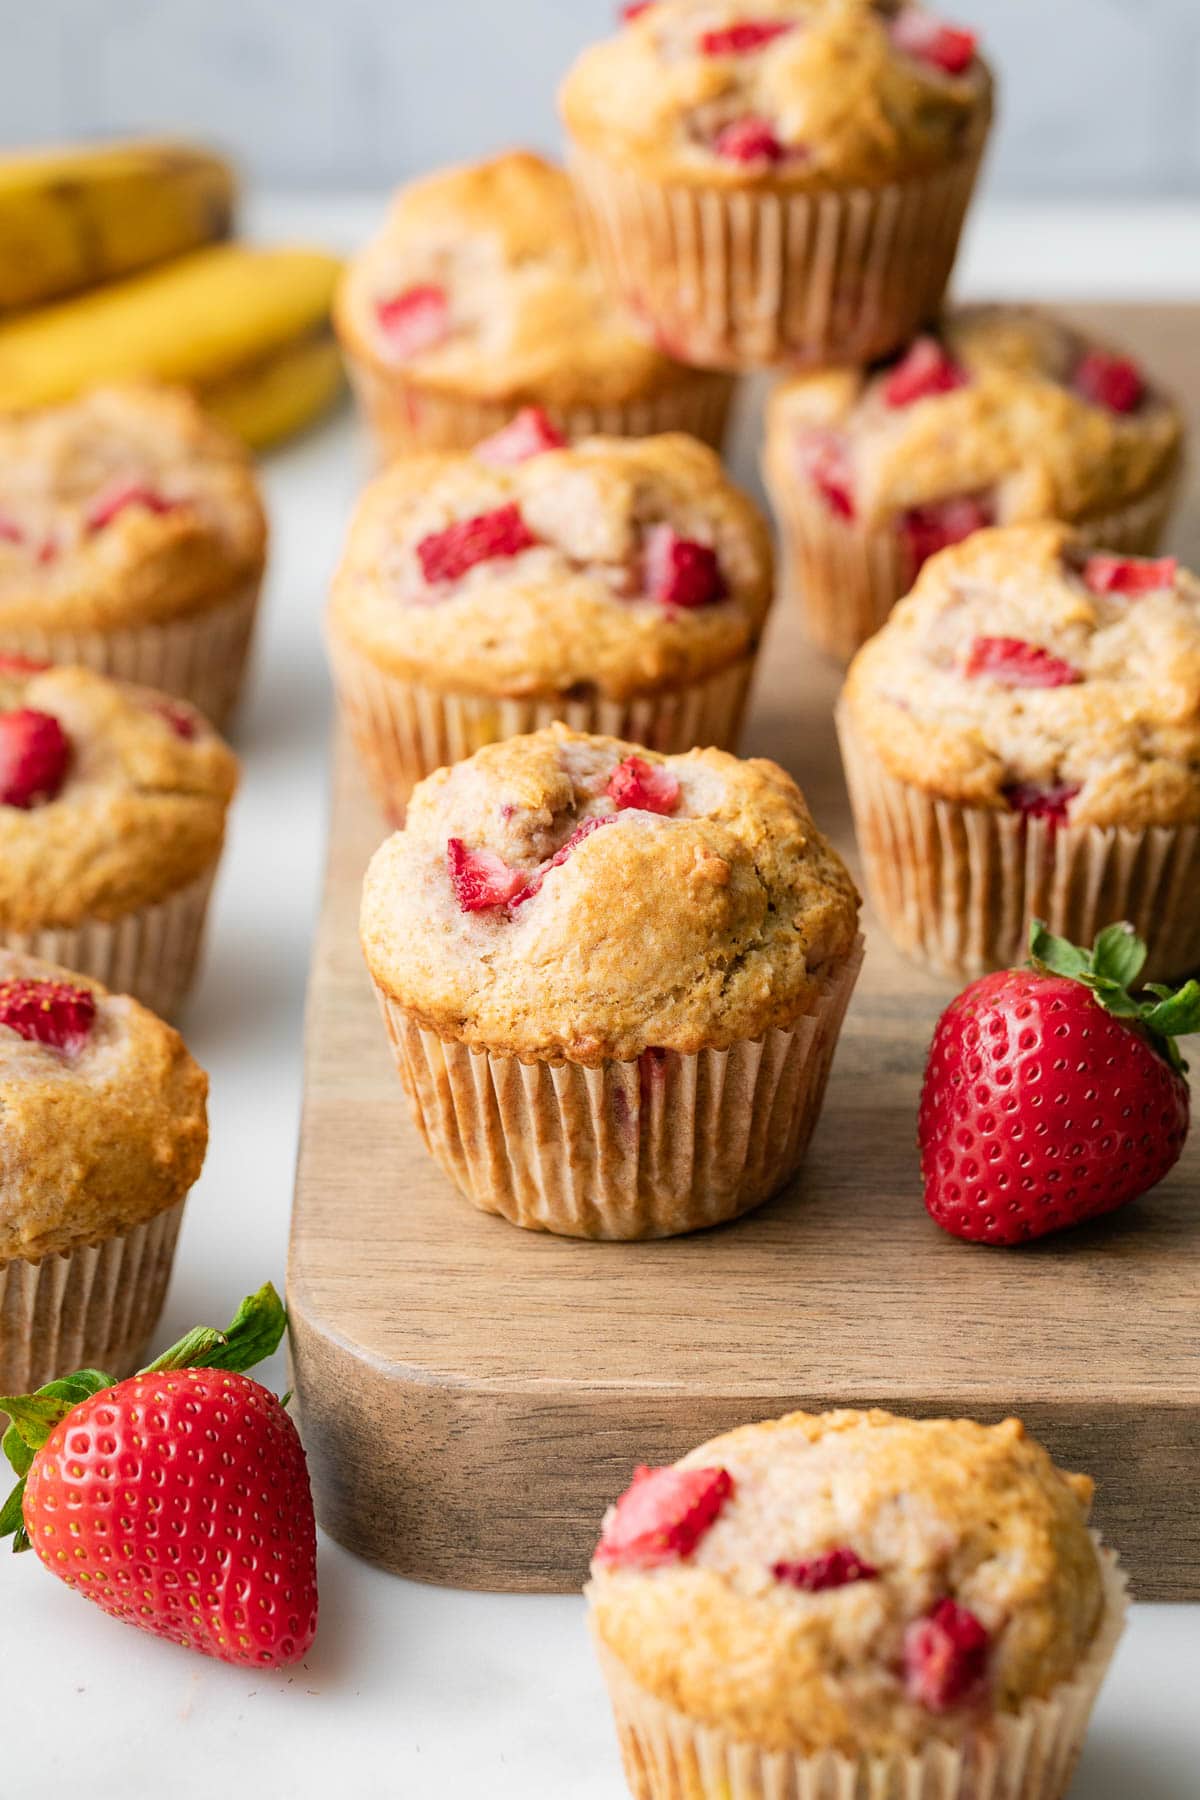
{"points": [[472, 1396]]}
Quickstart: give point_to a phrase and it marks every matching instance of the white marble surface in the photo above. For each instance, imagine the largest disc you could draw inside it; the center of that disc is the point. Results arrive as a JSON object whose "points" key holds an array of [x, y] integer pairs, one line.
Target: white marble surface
{"points": [[413, 1691]]}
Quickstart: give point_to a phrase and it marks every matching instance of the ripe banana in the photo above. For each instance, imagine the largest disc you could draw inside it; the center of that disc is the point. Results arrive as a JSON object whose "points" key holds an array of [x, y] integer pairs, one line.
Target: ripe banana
{"points": [[246, 328], [74, 217]]}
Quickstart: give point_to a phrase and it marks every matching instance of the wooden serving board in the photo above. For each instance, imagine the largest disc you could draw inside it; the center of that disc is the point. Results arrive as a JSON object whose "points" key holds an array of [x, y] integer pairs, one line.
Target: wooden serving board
{"points": [[472, 1396]]}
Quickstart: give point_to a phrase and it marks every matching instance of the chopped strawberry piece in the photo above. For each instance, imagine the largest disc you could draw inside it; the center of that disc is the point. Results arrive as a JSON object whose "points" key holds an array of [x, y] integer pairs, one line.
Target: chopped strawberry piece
{"points": [[835, 1569], [648, 787], [1112, 381], [47, 551], [11, 663], [945, 1657], [931, 40], [928, 529], [749, 140], [662, 1516], [34, 753], [534, 884], [480, 878], [55, 1013], [529, 434], [924, 369], [416, 320], [681, 572], [10, 531], [635, 9], [824, 460], [118, 496], [1049, 803], [740, 40], [448, 555], [1013, 663], [181, 719], [1130, 574]]}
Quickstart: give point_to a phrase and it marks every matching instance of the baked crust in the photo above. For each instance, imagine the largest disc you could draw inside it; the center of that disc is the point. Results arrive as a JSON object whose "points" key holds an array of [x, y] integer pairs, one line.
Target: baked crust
{"points": [[143, 566], [569, 611], [98, 1141]]}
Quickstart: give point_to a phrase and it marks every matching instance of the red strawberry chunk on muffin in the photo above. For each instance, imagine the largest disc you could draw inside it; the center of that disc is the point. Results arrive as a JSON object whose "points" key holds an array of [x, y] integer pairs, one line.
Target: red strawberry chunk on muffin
{"points": [[416, 320], [634, 10], [10, 531], [946, 1657], [749, 140], [1013, 663], [743, 38], [946, 47], [662, 1516], [824, 460], [928, 529], [1112, 381], [182, 721], [834, 1569], [1049, 803], [55, 1013], [530, 433], [118, 497], [681, 572], [649, 787], [13, 663], [534, 884], [34, 754], [448, 555], [480, 878], [925, 369], [1130, 574]]}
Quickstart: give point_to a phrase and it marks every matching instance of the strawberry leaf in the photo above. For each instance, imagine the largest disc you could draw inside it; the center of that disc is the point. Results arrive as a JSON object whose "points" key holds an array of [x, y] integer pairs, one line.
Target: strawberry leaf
{"points": [[1056, 954], [1119, 955], [254, 1333], [1109, 970], [1176, 1014]]}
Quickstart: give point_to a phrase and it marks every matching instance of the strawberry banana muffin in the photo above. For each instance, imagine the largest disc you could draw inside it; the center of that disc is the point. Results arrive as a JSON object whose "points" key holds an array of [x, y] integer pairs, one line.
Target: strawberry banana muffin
{"points": [[778, 181], [132, 539], [613, 981], [1004, 415], [1022, 740], [112, 819], [854, 1604], [102, 1133], [479, 298], [620, 584]]}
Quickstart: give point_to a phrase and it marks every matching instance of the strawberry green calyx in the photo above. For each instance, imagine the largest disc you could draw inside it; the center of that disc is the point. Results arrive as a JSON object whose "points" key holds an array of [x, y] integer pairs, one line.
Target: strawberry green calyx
{"points": [[1109, 970], [254, 1333]]}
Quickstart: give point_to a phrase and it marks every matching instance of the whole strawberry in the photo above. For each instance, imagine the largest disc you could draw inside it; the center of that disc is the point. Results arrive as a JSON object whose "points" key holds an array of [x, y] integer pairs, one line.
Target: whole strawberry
{"points": [[177, 1500], [1053, 1094]]}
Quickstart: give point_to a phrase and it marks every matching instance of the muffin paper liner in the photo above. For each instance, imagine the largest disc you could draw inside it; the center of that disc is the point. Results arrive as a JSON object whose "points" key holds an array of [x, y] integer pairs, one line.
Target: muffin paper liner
{"points": [[405, 416], [649, 1148], [92, 1307], [201, 658], [847, 577], [956, 886], [403, 730], [152, 953], [1027, 1755], [752, 277]]}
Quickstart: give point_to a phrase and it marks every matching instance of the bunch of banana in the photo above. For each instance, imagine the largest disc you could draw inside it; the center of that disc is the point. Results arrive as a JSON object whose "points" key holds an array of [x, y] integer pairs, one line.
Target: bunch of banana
{"points": [[247, 328]]}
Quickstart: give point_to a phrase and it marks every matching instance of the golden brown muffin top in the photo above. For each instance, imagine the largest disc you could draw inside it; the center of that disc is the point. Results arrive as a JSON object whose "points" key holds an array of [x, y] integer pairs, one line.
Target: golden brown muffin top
{"points": [[1005, 404], [801, 94], [567, 896], [126, 506], [618, 564], [480, 284], [1023, 672], [111, 797], [98, 1132], [805, 1615]]}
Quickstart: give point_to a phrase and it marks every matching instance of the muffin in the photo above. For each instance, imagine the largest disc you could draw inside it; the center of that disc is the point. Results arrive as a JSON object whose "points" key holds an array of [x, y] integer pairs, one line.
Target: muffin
{"points": [[102, 1133], [613, 981], [132, 539], [112, 819], [1004, 415], [853, 1605], [619, 584], [1022, 740], [780, 182], [479, 298]]}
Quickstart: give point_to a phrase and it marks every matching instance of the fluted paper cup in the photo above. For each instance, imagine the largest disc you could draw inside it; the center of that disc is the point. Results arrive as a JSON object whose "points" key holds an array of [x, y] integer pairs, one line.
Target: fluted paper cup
{"points": [[92, 1307], [403, 730], [957, 886], [847, 576], [201, 658], [152, 953], [753, 278], [650, 1148], [1030, 1754], [404, 416]]}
